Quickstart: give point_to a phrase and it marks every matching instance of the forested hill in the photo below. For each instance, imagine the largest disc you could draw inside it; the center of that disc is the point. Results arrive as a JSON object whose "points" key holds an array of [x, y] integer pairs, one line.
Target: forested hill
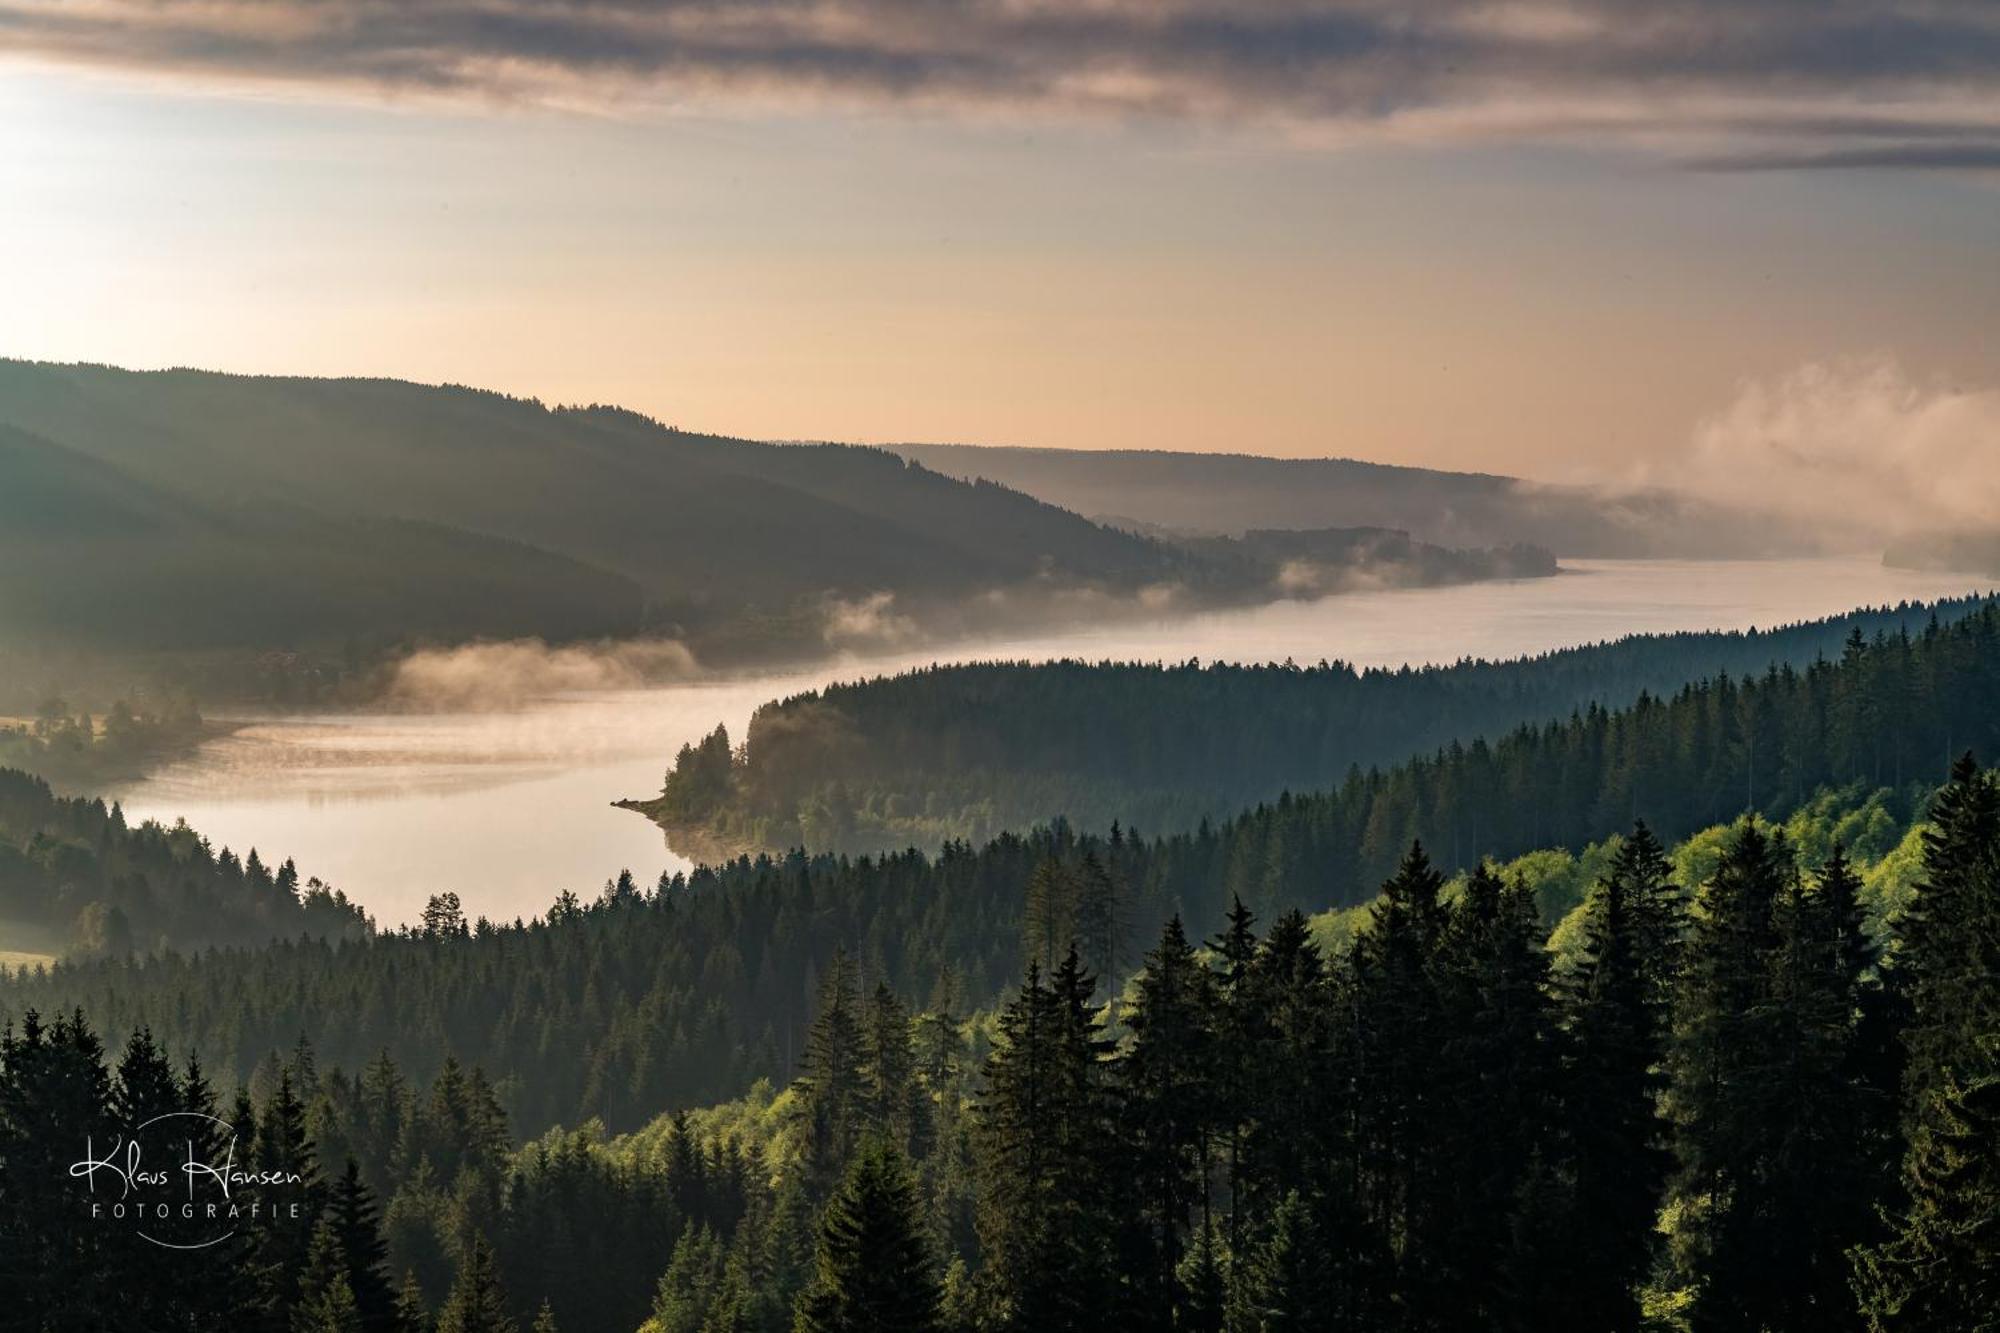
{"points": [[583, 522], [965, 751], [646, 1001], [76, 879], [1234, 493], [724, 537], [94, 557]]}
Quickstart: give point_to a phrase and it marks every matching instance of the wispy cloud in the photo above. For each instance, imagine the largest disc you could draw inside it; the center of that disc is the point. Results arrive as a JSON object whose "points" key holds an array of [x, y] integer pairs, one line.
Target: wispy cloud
{"points": [[1748, 84]]}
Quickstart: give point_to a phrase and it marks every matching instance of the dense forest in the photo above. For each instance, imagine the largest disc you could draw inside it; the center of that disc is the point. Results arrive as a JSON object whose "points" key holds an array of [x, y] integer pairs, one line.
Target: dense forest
{"points": [[650, 999], [94, 558], [964, 751], [1229, 493], [76, 879], [1740, 1112]]}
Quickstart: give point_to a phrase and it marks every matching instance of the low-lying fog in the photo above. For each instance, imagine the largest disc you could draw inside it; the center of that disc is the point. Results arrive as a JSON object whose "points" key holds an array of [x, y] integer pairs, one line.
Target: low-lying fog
{"points": [[509, 805]]}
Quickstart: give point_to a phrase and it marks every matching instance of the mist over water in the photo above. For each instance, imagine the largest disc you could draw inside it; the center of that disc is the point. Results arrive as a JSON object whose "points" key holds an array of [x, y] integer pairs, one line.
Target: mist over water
{"points": [[510, 805]]}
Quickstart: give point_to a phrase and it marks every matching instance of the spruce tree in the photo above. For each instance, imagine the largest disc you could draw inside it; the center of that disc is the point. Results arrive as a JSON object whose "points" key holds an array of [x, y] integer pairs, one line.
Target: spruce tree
{"points": [[1395, 1030], [1941, 1269], [1046, 1215], [326, 1301], [1496, 1119], [476, 1304], [1168, 1115], [831, 1089], [1614, 1154], [874, 1272], [351, 1211]]}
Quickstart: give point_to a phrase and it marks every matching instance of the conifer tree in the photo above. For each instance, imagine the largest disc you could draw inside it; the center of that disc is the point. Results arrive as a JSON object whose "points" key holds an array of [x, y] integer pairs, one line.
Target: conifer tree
{"points": [[1950, 935], [893, 1103], [874, 1272], [351, 1211], [832, 1088], [1048, 917], [1496, 1118], [476, 1304], [1614, 1154], [1395, 1026], [326, 1301], [1941, 1268], [1168, 1114], [1045, 1221], [413, 1312]]}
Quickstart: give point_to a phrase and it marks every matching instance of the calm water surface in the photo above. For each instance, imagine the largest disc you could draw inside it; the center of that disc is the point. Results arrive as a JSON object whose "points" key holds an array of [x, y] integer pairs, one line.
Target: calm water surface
{"points": [[509, 808]]}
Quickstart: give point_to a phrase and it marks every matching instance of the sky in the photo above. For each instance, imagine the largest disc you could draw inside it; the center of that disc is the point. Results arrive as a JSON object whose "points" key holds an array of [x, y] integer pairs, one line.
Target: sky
{"points": [[1589, 239]]}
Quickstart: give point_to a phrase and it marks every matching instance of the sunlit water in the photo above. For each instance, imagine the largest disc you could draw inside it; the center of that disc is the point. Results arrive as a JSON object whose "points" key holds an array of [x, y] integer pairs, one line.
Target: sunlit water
{"points": [[509, 808]]}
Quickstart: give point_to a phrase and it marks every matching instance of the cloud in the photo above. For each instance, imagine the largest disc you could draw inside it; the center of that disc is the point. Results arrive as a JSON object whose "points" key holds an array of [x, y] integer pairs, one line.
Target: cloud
{"points": [[478, 676], [865, 621], [1859, 449], [1738, 83]]}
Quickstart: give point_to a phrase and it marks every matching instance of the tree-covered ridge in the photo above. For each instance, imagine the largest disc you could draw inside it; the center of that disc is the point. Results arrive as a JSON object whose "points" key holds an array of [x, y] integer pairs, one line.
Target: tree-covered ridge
{"points": [[685, 995], [334, 518], [1747, 1115], [81, 751], [75, 878], [96, 558], [964, 751], [1234, 493]]}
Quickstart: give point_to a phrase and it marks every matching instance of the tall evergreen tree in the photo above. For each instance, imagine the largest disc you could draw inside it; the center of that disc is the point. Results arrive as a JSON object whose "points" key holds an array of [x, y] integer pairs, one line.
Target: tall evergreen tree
{"points": [[1941, 1269], [356, 1223], [477, 1303], [875, 1272], [326, 1301], [1168, 1116], [832, 1087], [1046, 1225], [1614, 1155]]}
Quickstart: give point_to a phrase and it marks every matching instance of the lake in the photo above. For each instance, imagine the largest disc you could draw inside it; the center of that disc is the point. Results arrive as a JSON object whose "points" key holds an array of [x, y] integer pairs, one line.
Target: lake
{"points": [[510, 807]]}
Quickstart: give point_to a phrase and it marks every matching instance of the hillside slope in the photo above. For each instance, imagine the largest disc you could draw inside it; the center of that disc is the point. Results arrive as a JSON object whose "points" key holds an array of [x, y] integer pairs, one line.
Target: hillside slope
{"points": [[709, 527], [93, 556], [1233, 493]]}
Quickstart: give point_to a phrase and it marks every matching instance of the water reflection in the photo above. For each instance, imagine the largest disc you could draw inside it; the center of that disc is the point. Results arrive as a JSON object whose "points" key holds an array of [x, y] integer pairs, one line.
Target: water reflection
{"points": [[509, 808]]}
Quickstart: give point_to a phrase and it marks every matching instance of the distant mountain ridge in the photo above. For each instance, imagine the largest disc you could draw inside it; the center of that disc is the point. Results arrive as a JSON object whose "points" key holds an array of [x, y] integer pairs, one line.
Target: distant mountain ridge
{"points": [[704, 535], [283, 512], [1229, 494]]}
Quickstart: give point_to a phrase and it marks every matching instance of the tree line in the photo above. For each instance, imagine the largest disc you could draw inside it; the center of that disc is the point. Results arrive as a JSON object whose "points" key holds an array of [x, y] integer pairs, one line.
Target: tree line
{"points": [[682, 994], [964, 751], [76, 879], [1740, 1112]]}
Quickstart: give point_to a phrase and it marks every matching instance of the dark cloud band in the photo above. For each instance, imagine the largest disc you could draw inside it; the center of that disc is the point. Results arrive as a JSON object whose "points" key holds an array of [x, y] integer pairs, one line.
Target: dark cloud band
{"points": [[1737, 83]]}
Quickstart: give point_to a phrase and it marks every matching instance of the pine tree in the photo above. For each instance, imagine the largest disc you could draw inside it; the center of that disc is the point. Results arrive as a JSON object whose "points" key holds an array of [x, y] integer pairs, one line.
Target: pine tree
{"points": [[1615, 1157], [1288, 1282], [1396, 1027], [1045, 1221], [413, 1312], [1496, 1121], [1941, 1269], [1048, 917], [831, 1091], [352, 1213], [874, 1272], [326, 1301], [1950, 934], [893, 1104], [477, 1303], [1168, 1115]]}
